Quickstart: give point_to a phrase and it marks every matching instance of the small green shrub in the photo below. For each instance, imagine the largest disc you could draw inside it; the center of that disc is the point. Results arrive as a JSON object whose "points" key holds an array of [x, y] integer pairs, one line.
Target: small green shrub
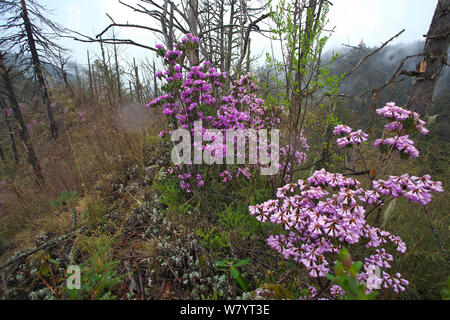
{"points": [[346, 271], [95, 212], [99, 273], [65, 199], [213, 239], [232, 267]]}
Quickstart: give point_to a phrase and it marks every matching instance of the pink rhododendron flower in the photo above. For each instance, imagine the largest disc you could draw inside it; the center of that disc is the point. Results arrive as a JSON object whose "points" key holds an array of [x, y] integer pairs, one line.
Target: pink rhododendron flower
{"points": [[342, 129]]}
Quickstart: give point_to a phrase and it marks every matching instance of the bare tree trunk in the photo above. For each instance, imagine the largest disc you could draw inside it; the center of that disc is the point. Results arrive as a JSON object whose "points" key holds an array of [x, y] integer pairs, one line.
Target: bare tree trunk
{"points": [[62, 66], [38, 71], [66, 82], [91, 86], [155, 81], [193, 25], [105, 67], [23, 132], [10, 131], [247, 67], [433, 60], [137, 82], [229, 51], [95, 83], [167, 29], [222, 35], [311, 28], [116, 61], [131, 90]]}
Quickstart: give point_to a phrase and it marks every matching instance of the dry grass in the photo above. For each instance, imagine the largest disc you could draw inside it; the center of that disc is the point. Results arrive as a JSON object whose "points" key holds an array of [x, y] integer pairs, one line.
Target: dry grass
{"points": [[87, 150]]}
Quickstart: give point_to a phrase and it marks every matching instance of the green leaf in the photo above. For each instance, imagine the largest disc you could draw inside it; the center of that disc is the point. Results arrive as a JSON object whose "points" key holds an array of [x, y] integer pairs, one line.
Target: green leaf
{"points": [[234, 273], [338, 268], [331, 277], [44, 269], [242, 283], [242, 262], [221, 264]]}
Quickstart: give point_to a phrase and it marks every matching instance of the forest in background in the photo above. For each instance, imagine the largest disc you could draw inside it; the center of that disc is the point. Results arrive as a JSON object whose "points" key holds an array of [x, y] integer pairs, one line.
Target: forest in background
{"points": [[98, 191]]}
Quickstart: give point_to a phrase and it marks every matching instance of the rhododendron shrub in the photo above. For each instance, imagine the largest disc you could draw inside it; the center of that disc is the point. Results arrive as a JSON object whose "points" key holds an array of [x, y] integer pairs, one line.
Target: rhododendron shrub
{"points": [[197, 94], [328, 211]]}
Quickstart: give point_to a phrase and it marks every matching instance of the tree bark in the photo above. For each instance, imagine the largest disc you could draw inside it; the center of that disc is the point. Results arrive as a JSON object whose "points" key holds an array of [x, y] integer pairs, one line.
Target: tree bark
{"points": [[222, 35], [193, 26], [23, 131], [155, 81], [433, 60], [38, 71], [229, 51], [91, 86], [10, 132], [62, 67], [116, 61], [137, 86]]}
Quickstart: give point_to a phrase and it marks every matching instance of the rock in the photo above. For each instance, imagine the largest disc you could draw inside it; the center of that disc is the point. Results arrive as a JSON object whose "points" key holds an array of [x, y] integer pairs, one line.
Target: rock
{"points": [[271, 291]]}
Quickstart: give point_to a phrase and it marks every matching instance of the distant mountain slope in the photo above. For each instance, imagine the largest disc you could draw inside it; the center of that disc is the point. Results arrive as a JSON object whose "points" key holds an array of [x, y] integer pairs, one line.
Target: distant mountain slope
{"points": [[380, 68]]}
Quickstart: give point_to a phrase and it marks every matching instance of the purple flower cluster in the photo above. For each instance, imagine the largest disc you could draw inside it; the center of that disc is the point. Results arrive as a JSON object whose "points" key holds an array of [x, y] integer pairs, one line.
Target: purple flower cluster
{"points": [[82, 115], [291, 155], [416, 189], [356, 137], [290, 151], [328, 209], [32, 125], [342, 129], [404, 124], [402, 144], [245, 172], [190, 38], [394, 112], [196, 94], [315, 218], [226, 175]]}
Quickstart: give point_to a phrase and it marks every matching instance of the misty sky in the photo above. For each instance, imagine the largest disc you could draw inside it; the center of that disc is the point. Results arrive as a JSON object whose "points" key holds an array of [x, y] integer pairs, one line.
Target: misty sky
{"points": [[373, 21]]}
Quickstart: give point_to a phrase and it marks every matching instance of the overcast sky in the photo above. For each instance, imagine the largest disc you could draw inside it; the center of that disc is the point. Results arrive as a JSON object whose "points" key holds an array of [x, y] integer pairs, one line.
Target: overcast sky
{"points": [[373, 21]]}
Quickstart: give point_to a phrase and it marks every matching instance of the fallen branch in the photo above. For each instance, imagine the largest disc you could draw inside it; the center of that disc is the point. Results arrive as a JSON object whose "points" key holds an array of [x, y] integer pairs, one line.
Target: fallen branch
{"points": [[49, 244]]}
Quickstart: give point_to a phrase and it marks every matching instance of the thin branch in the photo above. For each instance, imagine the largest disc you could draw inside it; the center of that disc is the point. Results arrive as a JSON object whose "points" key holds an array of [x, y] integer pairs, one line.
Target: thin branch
{"points": [[436, 235]]}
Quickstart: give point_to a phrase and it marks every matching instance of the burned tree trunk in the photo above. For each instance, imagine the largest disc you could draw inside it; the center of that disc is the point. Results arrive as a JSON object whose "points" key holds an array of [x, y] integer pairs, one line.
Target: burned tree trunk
{"points": [[229, 50], [38, 71], [137, 86], [63, 73], [194, 58], [155, 81], [91, 86], [23, 132], [434, 58], [2, 155], [10, 131], [116, 62]]}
